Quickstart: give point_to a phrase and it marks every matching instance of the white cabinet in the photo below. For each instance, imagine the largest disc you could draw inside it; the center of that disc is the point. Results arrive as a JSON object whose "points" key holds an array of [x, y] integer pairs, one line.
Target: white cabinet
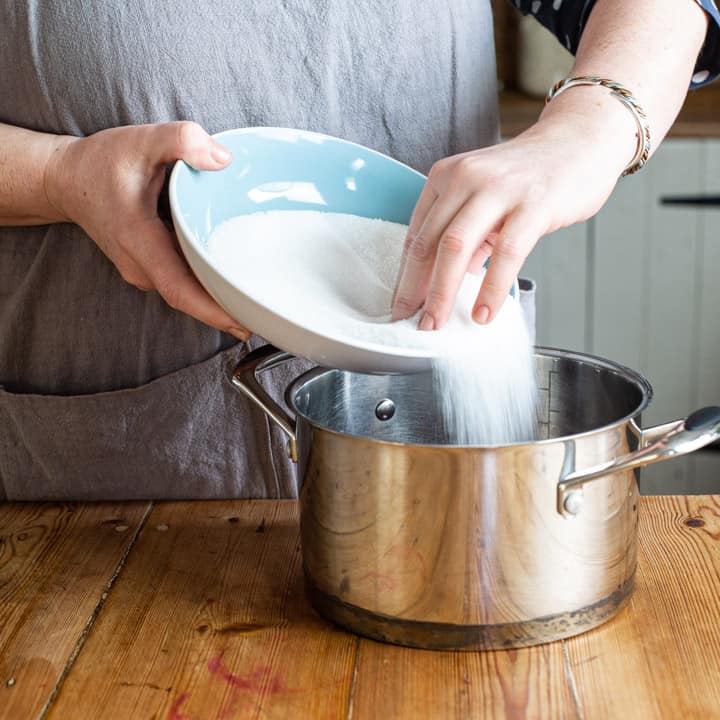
{"points": [[640, 284]]}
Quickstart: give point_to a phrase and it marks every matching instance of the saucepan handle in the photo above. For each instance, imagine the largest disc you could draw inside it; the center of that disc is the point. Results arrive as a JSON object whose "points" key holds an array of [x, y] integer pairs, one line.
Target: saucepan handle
{"points": [[245, 379], [660, 442]]}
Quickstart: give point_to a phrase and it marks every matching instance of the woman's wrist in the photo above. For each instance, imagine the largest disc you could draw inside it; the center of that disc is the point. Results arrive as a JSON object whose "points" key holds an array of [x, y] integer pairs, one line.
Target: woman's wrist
{"points": [[26, 159], [56, 183], [603, 125]]}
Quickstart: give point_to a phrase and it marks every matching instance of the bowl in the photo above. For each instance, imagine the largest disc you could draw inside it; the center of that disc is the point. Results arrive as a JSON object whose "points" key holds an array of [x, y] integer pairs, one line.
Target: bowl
{"points": [[290, 169]]}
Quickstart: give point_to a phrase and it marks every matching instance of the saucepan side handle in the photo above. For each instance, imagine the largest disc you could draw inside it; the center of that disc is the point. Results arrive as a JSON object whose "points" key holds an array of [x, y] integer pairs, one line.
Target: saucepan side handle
{"points": [[245, 379], [661, 442]]}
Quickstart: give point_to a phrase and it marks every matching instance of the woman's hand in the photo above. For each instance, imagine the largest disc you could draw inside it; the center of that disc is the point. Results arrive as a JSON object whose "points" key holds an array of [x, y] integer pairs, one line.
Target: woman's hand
{"points": [[108, 184], [497, 202]]}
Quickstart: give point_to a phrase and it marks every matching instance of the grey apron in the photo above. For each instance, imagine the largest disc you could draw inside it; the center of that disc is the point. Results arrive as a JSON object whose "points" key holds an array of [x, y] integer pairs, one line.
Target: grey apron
{"points": [[105, 392]]}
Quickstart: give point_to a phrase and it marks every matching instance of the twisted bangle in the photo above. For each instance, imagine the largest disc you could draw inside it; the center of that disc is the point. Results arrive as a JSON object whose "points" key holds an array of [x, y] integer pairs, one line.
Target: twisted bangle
{"points": [[628, 100]]}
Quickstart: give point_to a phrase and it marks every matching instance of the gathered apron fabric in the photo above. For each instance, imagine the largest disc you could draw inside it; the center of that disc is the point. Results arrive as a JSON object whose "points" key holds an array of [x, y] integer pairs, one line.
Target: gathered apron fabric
{"points": [[105, 392]]}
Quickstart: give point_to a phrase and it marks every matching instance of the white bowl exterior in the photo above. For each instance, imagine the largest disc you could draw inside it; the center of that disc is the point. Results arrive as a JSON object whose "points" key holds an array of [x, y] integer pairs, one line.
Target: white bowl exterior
{"points": [[356, 356]]}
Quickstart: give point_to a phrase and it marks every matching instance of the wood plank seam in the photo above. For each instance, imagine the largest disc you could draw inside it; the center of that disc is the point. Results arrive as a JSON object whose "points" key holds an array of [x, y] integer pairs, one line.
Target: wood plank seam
{"points": [[351, 694], [571, 682], [82, 638]]}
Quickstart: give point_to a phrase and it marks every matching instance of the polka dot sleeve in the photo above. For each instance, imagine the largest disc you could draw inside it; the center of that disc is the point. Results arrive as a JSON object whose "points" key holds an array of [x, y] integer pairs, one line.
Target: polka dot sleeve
{"points": [[566, 20], [707, 68]]}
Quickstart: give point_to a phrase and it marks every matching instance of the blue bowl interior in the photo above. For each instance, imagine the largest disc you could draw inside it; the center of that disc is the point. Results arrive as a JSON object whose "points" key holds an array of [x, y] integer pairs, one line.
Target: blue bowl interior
{"points": [[278, 169]]}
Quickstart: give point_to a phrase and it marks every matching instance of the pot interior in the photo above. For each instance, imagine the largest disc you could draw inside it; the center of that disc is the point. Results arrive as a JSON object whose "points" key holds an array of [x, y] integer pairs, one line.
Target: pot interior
{"points": [[577, 394]]}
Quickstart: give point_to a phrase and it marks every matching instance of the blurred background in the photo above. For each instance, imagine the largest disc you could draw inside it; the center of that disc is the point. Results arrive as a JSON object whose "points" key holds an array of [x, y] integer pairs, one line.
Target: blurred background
{"points": [[639, 282]]}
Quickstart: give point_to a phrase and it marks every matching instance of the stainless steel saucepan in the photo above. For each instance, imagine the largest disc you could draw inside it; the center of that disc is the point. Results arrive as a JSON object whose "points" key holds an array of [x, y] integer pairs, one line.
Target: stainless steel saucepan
{"points": [[411, 540]]}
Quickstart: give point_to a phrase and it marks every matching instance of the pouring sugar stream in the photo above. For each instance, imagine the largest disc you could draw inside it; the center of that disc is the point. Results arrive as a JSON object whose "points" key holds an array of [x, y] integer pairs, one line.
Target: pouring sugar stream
{"points": [[334, 273]]}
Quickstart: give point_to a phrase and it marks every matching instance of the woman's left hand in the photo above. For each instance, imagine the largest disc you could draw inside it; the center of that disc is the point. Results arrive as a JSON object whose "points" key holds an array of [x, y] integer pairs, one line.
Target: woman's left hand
{"points": [[497, 202]]}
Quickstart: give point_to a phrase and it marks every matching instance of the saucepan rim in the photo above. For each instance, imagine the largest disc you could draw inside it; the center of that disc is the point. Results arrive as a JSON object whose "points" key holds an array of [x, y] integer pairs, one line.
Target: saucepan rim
{"points": [[641, 382]]}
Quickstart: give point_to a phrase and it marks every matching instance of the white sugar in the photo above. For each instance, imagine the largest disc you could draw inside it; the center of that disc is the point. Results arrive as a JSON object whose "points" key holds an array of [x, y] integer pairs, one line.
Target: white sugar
{"points": [[485, 387], [335, 274]]}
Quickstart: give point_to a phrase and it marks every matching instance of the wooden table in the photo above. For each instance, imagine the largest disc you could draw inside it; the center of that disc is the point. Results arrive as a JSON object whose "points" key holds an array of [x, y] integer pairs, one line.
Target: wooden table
{"points": [[188, 611]]}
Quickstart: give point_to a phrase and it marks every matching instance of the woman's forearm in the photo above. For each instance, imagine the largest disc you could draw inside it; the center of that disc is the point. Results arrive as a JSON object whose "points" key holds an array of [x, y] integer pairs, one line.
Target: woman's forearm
{"points": [[650, 46], [25, 156], [498, 201]]}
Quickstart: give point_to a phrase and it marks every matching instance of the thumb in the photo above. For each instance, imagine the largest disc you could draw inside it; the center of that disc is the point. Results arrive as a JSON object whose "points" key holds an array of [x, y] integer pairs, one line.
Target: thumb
{"points": [[188, 141]]}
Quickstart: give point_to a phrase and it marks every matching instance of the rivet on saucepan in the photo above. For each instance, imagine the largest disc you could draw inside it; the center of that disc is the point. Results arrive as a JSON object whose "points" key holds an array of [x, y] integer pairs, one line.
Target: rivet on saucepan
{"points": [[573, 502], [385, 409]]}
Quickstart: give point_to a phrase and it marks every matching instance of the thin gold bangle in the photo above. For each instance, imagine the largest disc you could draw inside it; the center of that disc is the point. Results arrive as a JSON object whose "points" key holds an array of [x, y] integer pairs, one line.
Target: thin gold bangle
{"points": [[620, 92]]}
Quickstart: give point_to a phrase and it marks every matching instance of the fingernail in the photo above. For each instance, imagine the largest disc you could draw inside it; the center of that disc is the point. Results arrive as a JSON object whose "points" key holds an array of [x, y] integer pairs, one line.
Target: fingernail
{"points": [[481, 314], [239, 333], [220, 154], [426, 322]]}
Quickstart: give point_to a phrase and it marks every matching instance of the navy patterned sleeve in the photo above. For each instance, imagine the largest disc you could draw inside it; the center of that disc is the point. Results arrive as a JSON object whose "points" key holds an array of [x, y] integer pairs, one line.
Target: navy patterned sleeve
{"points": [[566, 20], [707, 68]]}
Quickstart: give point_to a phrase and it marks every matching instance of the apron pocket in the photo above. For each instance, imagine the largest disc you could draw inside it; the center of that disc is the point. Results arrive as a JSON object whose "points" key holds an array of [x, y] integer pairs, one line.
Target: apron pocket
{"points": [[188, 434]]}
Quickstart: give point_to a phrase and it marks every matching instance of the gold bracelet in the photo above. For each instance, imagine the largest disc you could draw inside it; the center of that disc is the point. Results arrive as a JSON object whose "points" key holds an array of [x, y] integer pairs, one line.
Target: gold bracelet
{"points": [[628, 100]]}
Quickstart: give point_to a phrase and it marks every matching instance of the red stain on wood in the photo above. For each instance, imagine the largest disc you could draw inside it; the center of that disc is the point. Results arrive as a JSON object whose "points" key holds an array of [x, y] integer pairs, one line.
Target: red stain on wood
{"points": [[260, 680], [175, 712], [251, 681]]}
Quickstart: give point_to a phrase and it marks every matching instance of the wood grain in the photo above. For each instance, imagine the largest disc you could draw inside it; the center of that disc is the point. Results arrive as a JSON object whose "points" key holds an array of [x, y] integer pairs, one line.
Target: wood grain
{"points": [[210, 621], [660, 658], [56, 561], [419, 684]]}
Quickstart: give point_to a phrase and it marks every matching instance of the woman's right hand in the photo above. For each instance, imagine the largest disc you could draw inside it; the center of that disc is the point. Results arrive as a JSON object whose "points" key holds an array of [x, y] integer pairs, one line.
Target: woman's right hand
{"points": [[108, 184]]}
